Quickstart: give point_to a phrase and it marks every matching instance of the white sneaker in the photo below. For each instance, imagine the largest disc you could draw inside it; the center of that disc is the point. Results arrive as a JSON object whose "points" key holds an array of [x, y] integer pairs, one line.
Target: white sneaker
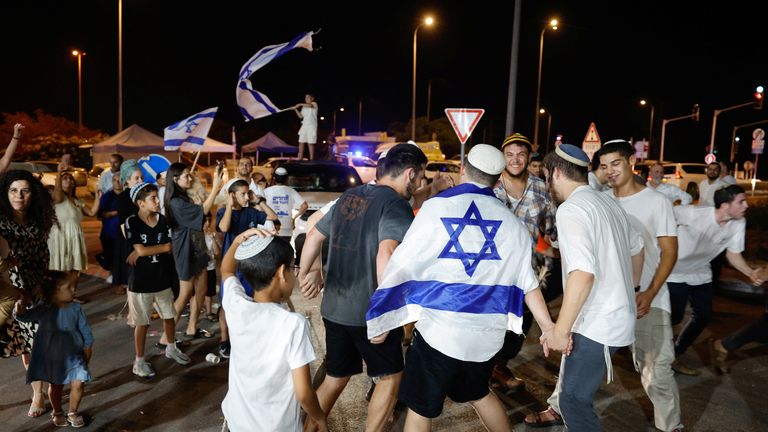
{"points": [[108, 280], [174, 353], [143, 369]]}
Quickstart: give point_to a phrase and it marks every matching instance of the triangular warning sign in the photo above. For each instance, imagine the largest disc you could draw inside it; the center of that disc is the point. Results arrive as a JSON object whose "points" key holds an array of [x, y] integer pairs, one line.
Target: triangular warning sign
{"points": [[464, 121], [591, 142]]}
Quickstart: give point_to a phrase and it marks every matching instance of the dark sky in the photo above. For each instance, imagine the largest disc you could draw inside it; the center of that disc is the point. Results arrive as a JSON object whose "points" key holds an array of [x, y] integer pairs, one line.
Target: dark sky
{"points": [[181, 57]]}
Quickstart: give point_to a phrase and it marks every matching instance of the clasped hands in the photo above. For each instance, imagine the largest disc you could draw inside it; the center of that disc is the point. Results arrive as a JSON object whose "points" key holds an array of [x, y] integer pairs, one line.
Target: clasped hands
{"points": [[553, 340]]}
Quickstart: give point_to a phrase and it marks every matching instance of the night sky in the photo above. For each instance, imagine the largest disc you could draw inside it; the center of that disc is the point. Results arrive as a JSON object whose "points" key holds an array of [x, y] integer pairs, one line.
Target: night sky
{"points": [[181, 57]]}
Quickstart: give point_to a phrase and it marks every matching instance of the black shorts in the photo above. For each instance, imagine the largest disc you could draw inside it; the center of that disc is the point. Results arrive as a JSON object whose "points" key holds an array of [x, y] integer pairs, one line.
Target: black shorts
{"points": [[211, 275], [348, 347], [430, 376]]}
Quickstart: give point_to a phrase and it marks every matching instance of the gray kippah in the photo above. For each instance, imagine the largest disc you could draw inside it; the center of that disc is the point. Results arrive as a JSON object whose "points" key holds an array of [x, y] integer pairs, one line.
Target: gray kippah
{"points": [[252, 246]]}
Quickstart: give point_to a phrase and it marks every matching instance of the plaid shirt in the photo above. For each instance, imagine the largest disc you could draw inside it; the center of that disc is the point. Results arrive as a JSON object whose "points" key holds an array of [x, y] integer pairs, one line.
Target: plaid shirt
{"points": [[535, 210]]}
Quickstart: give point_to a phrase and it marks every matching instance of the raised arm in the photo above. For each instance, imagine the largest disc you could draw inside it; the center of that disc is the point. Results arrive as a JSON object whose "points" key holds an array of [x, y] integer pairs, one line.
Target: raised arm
{"points": [[217, 182], [6, 160], [94, 209], [58, 192], [226, 218]]}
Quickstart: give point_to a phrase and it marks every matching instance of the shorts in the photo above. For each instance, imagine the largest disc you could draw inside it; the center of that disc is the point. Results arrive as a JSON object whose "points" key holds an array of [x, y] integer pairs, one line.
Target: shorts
{"points": [[211, 283], [142, 305], [430, 376], [348, 346], [308, 135]]}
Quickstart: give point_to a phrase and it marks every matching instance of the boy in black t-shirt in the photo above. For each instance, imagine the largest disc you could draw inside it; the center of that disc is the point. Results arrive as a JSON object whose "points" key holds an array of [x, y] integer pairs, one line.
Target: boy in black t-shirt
{"points": [[149, 236]]}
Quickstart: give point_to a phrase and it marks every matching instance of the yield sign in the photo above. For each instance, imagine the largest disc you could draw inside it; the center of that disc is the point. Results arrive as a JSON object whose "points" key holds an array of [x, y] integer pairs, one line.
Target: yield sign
{"points": [[591, 142], [464, 121]]}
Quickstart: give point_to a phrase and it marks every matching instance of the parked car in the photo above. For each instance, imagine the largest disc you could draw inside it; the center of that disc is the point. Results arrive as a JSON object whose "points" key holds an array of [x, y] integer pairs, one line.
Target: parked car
{"points": [[365, 166], [449, 167], [318, 182], [685, 175], [93, 176], [80, 174], [43, 171], [270, 165]]}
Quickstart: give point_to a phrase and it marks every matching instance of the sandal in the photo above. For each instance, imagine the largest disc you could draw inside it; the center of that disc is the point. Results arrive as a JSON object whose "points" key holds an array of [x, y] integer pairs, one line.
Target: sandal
{"points": [[36, 411], [506, 380], [58, 419], [75, 419], [211, 317], [199, 333], [536, 420]]}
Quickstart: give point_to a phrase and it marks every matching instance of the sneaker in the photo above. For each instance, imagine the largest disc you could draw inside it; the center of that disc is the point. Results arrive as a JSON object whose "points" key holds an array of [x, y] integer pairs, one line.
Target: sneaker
{"points": [[172, 352], [185, 312], [684, 369], [224, 349], [143, 369]]}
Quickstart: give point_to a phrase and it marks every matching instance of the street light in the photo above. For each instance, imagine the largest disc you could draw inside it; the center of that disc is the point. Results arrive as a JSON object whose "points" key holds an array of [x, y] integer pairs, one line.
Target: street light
{"points": [[428, 21], [334, 118], [644, 102], [553, 23], [543, 111], [79, 55]]}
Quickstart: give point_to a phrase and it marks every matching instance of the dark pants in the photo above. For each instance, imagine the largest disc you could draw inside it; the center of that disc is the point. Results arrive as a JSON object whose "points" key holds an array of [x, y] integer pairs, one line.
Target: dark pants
{"points": [[755, 332], [701, 302]]}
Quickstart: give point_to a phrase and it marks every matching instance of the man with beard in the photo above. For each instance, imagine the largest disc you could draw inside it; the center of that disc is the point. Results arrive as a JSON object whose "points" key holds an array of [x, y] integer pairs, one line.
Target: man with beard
{"points": [[650, 214], [708, 186], [703, 233], [363, 228], [244, 172], [602, 260], [526, 196]]}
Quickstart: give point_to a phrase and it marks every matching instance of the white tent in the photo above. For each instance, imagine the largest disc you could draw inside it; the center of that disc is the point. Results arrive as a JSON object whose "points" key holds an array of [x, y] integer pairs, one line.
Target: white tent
{"points": [[132, 142], [135, 142]]}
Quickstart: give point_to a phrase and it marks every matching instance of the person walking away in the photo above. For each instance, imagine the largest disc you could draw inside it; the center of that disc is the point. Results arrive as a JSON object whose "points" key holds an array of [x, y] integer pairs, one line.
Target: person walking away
{"points": [[284, 200]]}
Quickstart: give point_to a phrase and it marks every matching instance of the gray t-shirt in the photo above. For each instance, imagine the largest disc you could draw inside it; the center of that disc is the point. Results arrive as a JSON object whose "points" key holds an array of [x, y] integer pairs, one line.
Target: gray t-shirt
{"points": [[362, 218]]}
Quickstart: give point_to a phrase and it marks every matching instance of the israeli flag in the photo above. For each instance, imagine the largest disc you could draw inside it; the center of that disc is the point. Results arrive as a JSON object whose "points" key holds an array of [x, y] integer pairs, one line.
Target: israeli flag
{"points": [[254, 104], [462, 269], [192, 130]]}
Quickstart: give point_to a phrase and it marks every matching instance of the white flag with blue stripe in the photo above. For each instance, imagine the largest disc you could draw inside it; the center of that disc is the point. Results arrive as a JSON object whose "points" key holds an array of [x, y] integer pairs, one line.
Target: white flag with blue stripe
{"points": [[254, 104], [462, 269], [192, 130]]}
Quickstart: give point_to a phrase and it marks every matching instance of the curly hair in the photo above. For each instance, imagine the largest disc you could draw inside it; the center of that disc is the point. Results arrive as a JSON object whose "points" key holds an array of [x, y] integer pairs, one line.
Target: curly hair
{"points": [[40, 212]]}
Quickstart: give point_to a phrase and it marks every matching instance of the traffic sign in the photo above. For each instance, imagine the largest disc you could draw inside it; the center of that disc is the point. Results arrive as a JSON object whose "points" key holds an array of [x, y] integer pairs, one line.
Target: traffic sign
{"points": [[710, 158], [758, 144], [152, 165], [591, 142], [464, 121]]}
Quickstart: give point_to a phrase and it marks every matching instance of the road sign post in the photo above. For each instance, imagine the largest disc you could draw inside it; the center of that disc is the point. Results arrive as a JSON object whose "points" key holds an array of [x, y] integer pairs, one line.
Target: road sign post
{"points": [[464, 121]]}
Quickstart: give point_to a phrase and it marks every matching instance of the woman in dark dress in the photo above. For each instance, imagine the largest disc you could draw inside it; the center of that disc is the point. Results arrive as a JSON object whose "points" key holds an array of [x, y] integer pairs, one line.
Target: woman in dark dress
{"points": [[26, 218]]}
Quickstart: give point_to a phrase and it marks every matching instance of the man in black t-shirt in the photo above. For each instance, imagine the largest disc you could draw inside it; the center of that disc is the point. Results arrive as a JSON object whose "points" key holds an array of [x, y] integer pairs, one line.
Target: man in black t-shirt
{"points": [[148, 235], [363, 228]]}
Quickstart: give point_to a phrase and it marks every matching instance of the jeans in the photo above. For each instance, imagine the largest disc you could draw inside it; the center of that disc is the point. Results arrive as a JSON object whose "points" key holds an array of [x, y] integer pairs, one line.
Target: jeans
{"points": [[580, 376], [701, 302]]}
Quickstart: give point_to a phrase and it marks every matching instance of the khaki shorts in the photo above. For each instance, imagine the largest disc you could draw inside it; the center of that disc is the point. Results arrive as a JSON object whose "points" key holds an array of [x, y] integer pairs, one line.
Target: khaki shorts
{"points": [[142, 305]]}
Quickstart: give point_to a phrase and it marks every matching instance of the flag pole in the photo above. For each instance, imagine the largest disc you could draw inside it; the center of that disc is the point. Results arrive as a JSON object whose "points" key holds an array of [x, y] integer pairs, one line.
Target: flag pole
{"points": [[194, 164]]}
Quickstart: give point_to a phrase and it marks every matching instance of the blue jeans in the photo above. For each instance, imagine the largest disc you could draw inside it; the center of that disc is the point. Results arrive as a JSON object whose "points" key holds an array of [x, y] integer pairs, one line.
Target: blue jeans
{"points": [[581, 374], [701, 301]]}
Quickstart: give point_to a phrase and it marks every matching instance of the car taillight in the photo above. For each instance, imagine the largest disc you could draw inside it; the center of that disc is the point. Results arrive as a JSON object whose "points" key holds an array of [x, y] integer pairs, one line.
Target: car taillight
{"points": [[678, 176]]}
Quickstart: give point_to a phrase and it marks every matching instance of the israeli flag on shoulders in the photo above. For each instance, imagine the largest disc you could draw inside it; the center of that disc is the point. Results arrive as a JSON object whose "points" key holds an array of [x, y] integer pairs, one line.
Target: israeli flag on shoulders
{"points": [[254, 104], [461, 272], [192, 130]]}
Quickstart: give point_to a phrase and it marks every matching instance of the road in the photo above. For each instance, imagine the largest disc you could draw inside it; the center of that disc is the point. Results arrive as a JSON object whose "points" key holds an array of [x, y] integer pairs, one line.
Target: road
{"points": [[188, 398]]}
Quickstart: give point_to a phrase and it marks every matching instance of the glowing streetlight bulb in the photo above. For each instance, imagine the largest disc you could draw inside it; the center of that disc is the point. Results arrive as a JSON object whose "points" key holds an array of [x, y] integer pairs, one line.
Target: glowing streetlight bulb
{"points": [[542, 111], [429, 20], [553, 23], [75, 52], [643, 102]]}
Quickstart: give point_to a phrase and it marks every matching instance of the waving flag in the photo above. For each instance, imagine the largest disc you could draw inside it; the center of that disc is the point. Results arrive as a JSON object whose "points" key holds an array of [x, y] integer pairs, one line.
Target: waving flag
{"points": [[254, 104], [192, 130], [465, 262]]}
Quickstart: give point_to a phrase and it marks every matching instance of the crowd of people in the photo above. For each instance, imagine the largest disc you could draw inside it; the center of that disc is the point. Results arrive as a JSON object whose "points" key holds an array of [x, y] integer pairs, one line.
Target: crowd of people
{"points": [[429, 288]]}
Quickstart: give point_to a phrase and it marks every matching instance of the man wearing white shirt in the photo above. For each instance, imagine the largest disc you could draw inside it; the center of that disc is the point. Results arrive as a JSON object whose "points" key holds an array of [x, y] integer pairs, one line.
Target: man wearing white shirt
{"points": [[602, 260], [651, 214], [244, 172], [105, 179], [672, 192], [703, 233], [726, 170], [709, 185]]}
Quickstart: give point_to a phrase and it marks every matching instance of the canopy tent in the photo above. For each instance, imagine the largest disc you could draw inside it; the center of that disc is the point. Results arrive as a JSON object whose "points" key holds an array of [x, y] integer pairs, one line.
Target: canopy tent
{"points": [[210, 146], [132, 142], [269, 143]]}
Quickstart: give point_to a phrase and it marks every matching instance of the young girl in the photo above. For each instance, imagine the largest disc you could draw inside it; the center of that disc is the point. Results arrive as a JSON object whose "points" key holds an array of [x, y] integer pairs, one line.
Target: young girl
{"points": [[63, 345], [186, 220], [67, 241]]}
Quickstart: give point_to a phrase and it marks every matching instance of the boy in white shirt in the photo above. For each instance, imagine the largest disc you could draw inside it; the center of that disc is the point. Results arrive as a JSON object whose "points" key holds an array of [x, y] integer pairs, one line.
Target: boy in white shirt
{"points": [[270, 345]]}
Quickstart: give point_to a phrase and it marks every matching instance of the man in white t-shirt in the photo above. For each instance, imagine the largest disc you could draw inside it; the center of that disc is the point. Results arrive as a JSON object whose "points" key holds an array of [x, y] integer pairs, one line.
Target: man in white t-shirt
{"points": [[244, 172], [284, 200], [703, 233], [672, 192], [709, 185], [602, 260], [651, 214]]}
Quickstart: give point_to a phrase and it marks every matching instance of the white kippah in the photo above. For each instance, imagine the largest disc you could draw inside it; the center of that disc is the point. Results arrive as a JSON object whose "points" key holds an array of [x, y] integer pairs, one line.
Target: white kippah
{"points": [[281, 171], [252, 246], [487, 159]]}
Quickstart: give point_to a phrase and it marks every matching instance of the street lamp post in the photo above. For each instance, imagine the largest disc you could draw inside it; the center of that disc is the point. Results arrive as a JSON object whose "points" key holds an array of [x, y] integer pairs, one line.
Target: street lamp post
{"points": [[334, 118], [644, 102], [119, 65], [553, 25], [79, 54], [549, 127], [428, 22]]}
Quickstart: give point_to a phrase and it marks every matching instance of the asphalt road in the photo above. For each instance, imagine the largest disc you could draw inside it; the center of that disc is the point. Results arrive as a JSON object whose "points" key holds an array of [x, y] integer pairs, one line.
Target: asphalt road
{"points": [[188, 398]]}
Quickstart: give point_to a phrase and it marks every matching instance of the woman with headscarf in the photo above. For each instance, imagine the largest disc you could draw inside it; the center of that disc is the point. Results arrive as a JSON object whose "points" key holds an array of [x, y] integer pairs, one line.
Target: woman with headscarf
{"points": [[130, 175]]}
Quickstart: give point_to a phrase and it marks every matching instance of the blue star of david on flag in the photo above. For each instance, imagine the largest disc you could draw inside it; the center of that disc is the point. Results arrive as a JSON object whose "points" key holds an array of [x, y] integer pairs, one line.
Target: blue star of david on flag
{"points": [[454, 250]]}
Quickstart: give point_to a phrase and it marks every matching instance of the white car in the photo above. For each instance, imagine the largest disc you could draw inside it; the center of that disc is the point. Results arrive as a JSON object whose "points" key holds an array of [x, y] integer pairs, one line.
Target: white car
{"points": [[365, 166], [449, 167]]}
